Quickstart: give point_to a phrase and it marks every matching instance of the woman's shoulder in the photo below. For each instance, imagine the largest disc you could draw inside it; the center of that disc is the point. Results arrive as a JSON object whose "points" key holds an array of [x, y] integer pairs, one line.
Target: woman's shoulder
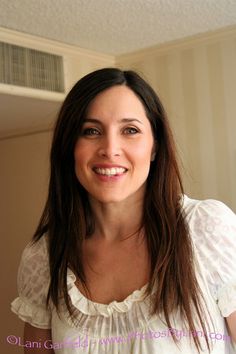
{"points": [[34, 265], [207, 209], [38, 249], [210, 222], [34, 259]]}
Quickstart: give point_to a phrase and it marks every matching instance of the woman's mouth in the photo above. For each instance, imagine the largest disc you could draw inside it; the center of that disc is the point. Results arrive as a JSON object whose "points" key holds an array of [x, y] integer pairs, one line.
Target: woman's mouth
{"points": [[114, 171]]}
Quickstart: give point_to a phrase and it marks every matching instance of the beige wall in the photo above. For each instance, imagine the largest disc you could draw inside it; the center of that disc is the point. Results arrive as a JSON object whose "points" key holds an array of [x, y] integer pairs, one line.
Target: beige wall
{"points": [[23, 187], [196, 80]]}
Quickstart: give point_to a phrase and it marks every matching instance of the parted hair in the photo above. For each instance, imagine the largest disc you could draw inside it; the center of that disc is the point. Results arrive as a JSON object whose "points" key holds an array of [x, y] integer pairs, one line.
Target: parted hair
{"points": [[68, 219]]}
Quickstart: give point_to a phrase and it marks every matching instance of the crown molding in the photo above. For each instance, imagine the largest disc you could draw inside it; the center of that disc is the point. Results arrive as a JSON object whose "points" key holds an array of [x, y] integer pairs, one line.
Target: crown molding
{"points": [[184, 43]]}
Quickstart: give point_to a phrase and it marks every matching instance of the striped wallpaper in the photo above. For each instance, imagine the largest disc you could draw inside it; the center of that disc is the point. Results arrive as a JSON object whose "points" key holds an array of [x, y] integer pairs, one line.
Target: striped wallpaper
{"points": [[196, 80]]}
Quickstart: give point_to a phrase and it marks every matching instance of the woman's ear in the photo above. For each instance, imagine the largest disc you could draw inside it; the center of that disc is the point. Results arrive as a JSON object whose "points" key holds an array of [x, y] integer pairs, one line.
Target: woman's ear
{"points": [[154, 151], [153, 156]]}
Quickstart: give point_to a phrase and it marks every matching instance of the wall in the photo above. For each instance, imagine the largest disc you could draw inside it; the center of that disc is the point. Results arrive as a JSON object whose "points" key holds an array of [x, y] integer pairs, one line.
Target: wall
{"points": [[23, 187], [196, 80]]}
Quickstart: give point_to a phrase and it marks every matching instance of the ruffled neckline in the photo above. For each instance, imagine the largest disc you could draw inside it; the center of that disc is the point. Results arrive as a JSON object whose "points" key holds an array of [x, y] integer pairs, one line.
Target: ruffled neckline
{"points": [[88, 307]]}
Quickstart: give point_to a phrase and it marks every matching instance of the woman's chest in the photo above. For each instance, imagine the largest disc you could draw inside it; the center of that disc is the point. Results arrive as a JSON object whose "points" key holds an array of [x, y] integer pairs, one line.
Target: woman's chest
{"points": [[113, 274]]}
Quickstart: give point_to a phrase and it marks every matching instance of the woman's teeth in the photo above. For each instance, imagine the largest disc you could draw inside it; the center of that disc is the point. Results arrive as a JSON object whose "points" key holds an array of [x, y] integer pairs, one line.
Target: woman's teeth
{"points": [[110, 171]]}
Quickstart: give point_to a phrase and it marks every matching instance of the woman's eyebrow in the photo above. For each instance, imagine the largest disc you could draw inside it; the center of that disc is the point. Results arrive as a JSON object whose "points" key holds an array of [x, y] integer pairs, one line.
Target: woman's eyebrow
{"points": [[129, 120], [124, 120], [92, 120]]}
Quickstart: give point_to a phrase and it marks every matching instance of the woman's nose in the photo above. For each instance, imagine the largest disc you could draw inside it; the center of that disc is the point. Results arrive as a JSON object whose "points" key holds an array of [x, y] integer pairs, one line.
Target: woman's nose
{"points": [[109, 147]]}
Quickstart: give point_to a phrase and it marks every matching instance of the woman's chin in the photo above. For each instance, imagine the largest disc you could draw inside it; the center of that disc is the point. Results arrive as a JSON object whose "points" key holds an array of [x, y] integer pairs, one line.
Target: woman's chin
{"points": [[108, 198]]}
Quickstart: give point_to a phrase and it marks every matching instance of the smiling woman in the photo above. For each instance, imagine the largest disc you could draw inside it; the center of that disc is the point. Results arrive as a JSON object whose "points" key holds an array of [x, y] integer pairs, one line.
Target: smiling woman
{"points": [[120, 251], [113, 152]]}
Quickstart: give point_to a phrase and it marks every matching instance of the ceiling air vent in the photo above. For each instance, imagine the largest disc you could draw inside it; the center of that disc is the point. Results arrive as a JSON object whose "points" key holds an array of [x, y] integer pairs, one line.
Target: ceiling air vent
{"points": [[31, 68]]}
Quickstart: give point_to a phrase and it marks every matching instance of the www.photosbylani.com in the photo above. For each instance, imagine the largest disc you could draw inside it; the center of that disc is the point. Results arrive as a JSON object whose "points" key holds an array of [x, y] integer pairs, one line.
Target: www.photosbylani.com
{"points": [[84, 341]]}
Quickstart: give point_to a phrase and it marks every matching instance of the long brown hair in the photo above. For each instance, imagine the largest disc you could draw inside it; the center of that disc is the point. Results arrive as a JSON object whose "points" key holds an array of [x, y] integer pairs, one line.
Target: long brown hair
{"points": [[67, 217]]}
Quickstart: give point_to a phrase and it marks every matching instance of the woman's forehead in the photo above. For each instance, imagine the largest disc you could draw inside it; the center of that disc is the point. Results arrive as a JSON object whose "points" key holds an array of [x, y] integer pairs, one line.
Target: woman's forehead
{"points": [[117, 102]]}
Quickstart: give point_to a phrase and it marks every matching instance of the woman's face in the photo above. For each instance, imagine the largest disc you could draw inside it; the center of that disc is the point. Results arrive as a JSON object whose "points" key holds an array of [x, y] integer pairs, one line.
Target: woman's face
{"points": [[113, 153]]}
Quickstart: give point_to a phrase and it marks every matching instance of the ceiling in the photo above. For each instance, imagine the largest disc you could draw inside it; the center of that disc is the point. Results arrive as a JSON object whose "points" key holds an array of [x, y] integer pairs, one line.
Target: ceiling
{"points": [[116, 26], [108, 26]]}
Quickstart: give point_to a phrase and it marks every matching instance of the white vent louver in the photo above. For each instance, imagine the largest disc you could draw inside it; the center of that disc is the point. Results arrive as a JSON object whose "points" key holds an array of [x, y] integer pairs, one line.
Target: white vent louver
{"points": [[30, 68]]}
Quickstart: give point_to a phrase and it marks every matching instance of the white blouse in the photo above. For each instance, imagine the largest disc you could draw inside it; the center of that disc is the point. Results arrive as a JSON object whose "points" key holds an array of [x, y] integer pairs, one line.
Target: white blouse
{"points": [[127, 327]]}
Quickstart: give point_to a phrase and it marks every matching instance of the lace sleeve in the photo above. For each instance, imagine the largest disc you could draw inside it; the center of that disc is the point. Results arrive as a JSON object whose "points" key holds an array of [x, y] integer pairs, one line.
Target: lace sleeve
{"points": [[214, 226], [32, 283]]}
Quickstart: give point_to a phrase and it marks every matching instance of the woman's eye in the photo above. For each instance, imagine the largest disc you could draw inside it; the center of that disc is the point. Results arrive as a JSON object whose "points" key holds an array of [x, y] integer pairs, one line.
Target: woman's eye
{"points": [[131, 130], [90, 131]]}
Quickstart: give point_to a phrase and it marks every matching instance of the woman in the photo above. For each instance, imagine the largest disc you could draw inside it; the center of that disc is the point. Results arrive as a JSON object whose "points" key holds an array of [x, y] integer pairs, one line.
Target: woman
{"points": [[122, 261]]}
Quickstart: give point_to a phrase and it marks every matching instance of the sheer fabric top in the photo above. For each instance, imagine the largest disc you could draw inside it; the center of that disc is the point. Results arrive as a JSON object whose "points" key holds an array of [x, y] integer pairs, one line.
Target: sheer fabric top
{"points": [[127, 326]]}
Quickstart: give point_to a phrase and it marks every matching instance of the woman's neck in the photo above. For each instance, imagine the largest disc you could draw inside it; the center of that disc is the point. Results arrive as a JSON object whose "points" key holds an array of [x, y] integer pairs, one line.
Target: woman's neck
{"points": [[117, 221]]}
